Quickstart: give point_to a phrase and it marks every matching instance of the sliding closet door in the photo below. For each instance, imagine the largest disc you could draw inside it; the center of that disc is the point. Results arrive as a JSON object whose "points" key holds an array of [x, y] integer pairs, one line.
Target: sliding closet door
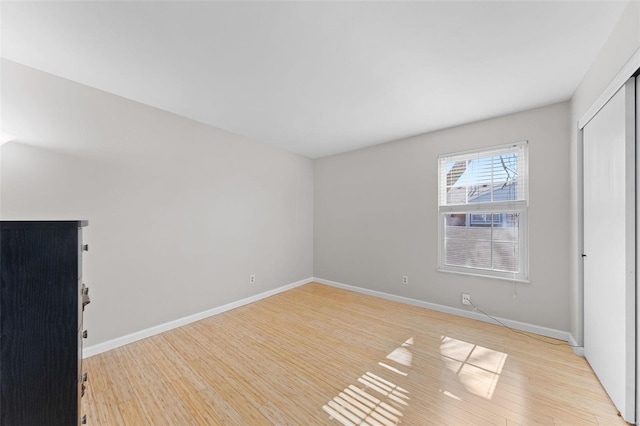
{"points": [[609, 248]]}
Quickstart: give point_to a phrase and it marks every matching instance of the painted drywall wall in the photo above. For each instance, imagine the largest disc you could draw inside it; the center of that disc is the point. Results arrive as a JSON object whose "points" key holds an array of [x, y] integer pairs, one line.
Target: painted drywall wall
{"points": [[376, 218], [623, 42], [180, 213]]}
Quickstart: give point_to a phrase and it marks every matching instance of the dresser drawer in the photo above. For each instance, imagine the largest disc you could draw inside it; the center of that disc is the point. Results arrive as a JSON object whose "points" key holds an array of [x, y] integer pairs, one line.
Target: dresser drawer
{"points": [[41, 306]]}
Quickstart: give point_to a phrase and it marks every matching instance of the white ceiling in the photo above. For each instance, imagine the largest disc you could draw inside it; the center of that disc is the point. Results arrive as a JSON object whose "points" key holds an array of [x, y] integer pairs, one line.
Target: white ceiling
{"points": [[317, 78]]}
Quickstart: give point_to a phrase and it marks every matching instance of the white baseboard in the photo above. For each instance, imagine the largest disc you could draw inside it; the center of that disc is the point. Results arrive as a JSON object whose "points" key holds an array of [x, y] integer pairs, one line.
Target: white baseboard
{"points": [[577, 349], [531, 328], [152, 331]]}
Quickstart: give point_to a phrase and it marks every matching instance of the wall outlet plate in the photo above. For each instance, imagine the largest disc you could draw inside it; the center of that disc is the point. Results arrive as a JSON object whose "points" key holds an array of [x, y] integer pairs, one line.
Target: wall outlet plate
{"points": [[466, 299], [405, 279]]}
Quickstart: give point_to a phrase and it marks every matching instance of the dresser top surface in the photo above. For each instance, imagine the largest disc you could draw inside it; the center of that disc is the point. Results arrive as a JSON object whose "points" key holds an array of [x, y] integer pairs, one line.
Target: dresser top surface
{"points": [[38, 224]]}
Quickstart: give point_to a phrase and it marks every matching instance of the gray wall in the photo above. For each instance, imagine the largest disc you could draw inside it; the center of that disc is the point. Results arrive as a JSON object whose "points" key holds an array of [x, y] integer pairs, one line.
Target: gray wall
{"points": [[376, 218], [180, 213], [621, 45]]}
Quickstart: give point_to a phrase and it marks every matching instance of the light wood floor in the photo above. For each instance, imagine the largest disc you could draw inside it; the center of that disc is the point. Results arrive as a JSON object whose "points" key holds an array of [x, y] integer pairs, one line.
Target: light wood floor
{"points": [[316, 355]]}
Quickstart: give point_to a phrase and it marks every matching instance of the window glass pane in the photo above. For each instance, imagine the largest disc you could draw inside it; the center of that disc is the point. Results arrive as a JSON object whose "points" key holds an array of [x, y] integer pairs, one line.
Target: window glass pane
{"points": [[482, 179], [455, 170], [455, 226], [457, 195], [479, 254], [482, 240], [476, 233], [479, 232], [506, 256], [456, 252], [456, 182], [505, 227], [505, 243], [455, 229]]}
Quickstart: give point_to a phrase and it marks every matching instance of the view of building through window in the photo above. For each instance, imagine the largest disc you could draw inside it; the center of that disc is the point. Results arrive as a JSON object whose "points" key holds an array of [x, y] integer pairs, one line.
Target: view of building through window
{"points": [[483, 206]]}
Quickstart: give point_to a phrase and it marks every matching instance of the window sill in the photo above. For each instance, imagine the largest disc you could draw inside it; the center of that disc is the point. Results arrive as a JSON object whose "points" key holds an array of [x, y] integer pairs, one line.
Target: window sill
{"points": [[494, 277]]}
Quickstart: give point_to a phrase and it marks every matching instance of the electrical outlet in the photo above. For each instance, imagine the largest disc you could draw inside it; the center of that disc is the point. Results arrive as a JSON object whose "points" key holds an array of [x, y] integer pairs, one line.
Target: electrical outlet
{"points": [[405, 279], [252, 279], [466, 299]]}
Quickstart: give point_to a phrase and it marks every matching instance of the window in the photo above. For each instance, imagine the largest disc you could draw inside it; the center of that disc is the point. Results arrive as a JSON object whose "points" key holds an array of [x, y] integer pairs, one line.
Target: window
{"points": [[482, 212]]}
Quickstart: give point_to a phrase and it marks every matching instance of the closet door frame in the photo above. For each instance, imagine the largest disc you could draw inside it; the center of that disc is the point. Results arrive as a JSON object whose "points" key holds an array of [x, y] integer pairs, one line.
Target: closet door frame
{"points": [[609, 213], [630, 69]]}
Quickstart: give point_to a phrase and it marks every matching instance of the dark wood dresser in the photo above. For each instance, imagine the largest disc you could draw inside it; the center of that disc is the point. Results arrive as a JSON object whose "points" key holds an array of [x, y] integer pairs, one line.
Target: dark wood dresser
{"points": [[42, 299]]}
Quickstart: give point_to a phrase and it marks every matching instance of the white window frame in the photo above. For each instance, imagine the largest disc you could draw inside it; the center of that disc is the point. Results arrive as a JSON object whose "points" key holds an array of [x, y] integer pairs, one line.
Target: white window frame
{"points": [[520, 207]]}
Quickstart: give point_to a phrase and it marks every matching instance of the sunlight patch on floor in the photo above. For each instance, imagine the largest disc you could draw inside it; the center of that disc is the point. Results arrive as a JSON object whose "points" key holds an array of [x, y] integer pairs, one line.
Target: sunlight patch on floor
{"points": [[478, 368], [450, 395], [374, 400]]}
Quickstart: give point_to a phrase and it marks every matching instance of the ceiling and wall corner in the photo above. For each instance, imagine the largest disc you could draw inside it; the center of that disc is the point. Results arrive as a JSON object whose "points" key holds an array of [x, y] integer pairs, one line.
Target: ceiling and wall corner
{"points": [[376, 218], [317, 78], [180, 213]]}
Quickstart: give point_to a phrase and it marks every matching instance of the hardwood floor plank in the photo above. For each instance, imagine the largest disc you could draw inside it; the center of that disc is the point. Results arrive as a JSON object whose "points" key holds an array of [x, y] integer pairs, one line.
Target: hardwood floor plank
{"points": [[132, 414], [317, 355]]}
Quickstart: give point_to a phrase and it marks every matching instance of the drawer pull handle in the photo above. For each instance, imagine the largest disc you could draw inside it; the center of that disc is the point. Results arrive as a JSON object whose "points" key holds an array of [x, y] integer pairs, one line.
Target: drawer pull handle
{"points": [[85, 334], [84, 419], [85, 376], [85, 247]]}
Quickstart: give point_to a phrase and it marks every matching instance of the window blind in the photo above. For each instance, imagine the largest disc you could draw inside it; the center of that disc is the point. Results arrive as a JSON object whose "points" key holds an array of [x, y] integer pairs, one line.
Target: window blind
{"points": [[483, 202], [497, 175]]}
